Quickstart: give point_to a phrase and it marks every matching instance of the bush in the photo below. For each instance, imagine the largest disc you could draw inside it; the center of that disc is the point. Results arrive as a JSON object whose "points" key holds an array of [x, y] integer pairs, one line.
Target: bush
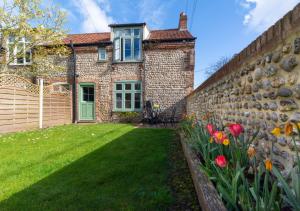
{"points": [[129, 117]]}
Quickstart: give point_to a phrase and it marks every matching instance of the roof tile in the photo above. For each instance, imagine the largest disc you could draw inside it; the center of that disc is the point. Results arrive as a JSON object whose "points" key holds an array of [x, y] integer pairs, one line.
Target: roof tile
{"points": [[155, 35]]}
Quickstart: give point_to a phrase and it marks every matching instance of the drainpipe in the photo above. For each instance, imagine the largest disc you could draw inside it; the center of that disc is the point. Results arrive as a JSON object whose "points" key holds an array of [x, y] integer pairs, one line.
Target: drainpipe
{"points": [[74, 84]]}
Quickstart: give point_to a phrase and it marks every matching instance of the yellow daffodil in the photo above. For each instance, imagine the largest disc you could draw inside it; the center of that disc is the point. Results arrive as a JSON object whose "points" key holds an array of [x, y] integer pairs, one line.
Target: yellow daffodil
{"points": [[288, 129], [251, 152], [268, 164], [226, 142], [276, 131]]}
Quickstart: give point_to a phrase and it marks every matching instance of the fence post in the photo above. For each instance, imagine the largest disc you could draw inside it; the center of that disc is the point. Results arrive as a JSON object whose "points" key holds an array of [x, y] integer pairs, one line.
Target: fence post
{"points": [[41, 94]]}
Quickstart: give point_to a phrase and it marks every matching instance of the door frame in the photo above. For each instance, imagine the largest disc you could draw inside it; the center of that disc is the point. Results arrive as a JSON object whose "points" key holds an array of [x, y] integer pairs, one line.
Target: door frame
{"points": [[80, 98]]}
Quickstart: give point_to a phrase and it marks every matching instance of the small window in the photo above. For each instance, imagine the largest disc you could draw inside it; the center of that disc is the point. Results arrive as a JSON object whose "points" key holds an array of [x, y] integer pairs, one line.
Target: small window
{"points": [[128, 96], [102, 54], [19, 52]]}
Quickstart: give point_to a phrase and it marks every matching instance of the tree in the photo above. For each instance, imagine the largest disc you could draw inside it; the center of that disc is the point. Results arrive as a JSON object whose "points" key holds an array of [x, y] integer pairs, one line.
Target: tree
{"points": [[31, 34], [217, 65]]}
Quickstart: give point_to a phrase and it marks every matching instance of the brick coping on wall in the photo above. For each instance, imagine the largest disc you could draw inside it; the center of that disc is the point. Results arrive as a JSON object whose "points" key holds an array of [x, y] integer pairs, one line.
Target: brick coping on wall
{"points": [[271, 37]]}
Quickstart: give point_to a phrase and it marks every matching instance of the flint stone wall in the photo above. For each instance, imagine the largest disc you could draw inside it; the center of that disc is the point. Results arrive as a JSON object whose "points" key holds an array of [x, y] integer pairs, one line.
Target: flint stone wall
{"points": [[166, 73], [259, 88]]}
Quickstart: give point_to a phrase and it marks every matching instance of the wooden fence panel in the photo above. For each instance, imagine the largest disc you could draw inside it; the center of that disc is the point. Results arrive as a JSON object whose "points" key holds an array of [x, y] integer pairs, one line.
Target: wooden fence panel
{"points": [[19, 104]]}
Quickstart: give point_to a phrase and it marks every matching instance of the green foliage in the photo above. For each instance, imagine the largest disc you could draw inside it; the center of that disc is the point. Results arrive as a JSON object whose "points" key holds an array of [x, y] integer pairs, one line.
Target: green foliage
{"points": [[232, 182], [129, 117], [42, 24]]}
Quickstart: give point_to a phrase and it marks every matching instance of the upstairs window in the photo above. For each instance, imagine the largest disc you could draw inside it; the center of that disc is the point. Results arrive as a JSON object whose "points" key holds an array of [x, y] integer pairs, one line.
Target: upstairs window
{"points": [[127, 44], [101, 54], [18, 52]]}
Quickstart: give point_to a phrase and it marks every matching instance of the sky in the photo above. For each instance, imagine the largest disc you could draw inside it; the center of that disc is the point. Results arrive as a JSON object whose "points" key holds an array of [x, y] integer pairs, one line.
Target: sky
{"points": [[222, 27]]}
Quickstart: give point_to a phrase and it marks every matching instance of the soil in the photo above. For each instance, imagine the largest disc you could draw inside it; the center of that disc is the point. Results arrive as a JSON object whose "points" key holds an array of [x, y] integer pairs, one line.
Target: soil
{"points": [[180, 180]]}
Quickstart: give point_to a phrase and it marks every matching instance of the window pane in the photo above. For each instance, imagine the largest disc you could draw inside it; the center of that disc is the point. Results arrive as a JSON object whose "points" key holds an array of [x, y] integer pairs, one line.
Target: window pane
{"points": [[127, 48], [85, 97], [11, 39], [28, 56], [20, 53], [91, 90], [118, 86], [119, 100], [91, 98], [102, 54], [11, 53], [127, 86], [127, 32], [117, 49], [137, 100], [128, 100], [136, 32], [137, 86], [137, 47]]}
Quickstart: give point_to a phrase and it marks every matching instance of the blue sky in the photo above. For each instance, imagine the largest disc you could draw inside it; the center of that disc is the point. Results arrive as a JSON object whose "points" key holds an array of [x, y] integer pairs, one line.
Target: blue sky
{"points": [[222, 27]]}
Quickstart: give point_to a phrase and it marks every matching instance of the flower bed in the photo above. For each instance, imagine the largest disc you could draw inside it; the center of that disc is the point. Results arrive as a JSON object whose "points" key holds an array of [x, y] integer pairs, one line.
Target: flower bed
{"points": [[243, 179]]}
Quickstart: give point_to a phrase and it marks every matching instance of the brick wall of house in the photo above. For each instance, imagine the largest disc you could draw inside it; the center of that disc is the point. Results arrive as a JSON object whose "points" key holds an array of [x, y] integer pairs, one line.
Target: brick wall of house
{"points": [[166, 73]]}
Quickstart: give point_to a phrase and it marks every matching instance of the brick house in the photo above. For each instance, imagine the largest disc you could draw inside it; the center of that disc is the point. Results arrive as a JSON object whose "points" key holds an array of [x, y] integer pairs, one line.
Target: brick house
{"points": [[119, 71]]}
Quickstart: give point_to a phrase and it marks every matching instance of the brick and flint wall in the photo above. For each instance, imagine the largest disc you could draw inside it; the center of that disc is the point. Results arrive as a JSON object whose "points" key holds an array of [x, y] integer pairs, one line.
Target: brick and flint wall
{"points": [[259, 88], [166, 73]]}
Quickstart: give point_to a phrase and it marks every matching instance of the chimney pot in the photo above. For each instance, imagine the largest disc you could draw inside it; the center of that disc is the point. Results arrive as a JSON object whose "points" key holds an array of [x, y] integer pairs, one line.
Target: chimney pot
{"points": [[182, 22]]}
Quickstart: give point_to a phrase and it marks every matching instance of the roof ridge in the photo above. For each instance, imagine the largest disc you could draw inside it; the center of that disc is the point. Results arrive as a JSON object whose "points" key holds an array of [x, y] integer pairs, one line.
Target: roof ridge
{"points": [[90, 33], [155, 30]]}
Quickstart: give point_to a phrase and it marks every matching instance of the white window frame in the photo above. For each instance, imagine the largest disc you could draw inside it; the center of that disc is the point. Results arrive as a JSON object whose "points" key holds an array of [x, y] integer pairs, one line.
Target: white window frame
{"points": [[99, 54], [15, 52], [120, 57]]}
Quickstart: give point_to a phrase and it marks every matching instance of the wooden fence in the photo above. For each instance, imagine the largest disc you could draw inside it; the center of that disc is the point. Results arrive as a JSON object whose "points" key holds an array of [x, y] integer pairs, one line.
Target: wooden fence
{"points": [[25, 106]]}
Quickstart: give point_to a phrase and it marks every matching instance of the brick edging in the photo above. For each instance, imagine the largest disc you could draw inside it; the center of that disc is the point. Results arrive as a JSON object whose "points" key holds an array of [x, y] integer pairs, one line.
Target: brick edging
{"points": [[208, 197]]}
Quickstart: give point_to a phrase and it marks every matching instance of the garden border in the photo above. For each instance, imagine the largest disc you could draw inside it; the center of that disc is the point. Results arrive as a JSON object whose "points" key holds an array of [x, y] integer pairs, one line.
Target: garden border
{"points": [[208, 197]]}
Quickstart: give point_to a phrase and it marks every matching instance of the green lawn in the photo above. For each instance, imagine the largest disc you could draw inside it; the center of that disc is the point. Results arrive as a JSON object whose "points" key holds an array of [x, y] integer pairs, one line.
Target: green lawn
{"points": [[94, 167]]}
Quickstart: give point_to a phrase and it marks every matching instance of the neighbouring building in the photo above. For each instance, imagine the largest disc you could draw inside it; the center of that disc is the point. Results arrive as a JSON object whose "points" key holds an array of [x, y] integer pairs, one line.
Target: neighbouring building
{"points": [[119, 71]]}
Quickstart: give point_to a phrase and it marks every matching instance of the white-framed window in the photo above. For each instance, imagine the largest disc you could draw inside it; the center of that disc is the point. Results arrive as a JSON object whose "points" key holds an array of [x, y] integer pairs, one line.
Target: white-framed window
{"points": [[101, 54], [18, 52], [127, 44]]}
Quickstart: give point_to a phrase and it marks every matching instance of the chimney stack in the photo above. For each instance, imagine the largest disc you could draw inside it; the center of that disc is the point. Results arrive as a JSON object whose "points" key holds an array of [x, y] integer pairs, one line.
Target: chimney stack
{"points": [[182, 22]]}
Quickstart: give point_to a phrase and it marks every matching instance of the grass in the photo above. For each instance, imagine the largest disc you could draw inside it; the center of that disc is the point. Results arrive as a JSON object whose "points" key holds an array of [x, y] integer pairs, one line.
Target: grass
{"points": [[93, 167]]}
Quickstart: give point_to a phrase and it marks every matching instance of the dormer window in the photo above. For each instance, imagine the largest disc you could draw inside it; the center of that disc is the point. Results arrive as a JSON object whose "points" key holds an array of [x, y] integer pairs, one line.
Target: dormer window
{"points": [[127, 44], [18, 52]]}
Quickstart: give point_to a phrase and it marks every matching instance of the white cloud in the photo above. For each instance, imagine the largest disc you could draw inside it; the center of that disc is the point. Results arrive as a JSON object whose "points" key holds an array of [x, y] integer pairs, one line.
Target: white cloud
{"points": [[261, 14], [94, 14], [153, 12]]}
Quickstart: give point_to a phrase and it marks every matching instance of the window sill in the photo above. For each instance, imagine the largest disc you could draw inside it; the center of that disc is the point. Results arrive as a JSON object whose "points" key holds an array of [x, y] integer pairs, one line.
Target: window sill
{"points": [[17, 65], [130, 62], [102, 61], [123, 111]]}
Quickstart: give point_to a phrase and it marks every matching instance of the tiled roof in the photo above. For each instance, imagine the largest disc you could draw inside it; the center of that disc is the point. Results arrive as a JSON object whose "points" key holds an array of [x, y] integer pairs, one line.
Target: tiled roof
{"points": [[89, 38], [155, 35], [169, 34]]}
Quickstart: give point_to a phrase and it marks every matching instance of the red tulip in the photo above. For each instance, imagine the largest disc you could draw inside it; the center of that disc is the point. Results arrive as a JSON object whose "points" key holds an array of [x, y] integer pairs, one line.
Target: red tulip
{"points": [[236, 129], [210, 129], [221, 161], [219, 136]]}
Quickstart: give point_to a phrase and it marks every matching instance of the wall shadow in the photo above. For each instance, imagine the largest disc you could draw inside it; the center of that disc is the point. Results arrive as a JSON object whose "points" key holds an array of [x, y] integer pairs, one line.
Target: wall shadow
{"points": [[129, 172]]}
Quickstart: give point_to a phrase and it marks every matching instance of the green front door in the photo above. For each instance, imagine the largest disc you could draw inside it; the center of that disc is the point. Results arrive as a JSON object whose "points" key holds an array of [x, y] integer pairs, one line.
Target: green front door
{"points": [[87, 102]]}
